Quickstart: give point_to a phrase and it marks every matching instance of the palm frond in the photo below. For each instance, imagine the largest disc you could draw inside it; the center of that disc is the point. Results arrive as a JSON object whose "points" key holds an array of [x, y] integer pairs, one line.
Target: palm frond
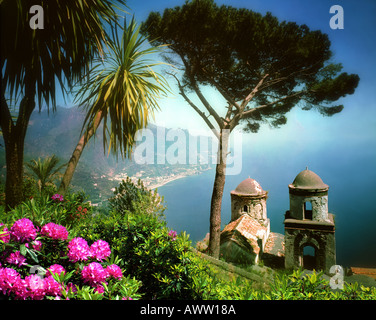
{"points": [[74, 34], [124, 89]]}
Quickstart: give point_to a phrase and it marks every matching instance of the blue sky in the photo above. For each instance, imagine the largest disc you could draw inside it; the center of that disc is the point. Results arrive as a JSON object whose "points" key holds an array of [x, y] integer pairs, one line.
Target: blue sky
{"points": [[354, 46]]}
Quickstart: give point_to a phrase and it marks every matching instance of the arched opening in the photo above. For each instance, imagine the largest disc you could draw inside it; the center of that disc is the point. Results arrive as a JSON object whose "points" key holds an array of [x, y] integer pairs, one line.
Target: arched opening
{"points": [[307, 210], [309, 258], [245, 209]]}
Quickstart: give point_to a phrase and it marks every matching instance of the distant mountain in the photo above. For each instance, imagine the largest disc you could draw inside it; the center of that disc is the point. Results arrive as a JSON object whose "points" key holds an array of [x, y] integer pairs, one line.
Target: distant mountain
{"points": [[97, 172]]}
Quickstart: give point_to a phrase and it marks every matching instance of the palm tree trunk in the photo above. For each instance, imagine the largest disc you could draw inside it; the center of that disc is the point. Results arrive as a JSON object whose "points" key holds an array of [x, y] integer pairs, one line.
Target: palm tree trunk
{"points": [[14, 139], [72, 164], [216, 201]]}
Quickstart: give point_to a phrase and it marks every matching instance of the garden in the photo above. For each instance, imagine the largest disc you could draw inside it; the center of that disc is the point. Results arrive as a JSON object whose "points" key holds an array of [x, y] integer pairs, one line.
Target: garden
{"points": [[57, 247]]}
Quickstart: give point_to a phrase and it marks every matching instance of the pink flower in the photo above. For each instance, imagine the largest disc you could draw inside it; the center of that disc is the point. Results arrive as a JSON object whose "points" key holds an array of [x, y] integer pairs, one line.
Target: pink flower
{"points": [[23, 230], [94, 274], [100, 250], [37, 245], [4, 233], [55, 268], [20, 290], [126, 298], [57, 197], [54, 231], [78, 250], [8, 279], [16, 258], [172, 234], [52, 287], [114, 271], [99, 289], [35, 286]]}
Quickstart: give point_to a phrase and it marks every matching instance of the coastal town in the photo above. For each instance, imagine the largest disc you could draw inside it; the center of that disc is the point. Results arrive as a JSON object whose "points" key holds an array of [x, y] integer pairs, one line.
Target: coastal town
{"points": [[104, 185]]}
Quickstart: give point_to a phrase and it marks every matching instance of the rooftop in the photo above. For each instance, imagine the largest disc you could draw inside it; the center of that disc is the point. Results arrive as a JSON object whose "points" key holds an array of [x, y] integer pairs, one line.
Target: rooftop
{"points": [[308, 180], [249, 187]]}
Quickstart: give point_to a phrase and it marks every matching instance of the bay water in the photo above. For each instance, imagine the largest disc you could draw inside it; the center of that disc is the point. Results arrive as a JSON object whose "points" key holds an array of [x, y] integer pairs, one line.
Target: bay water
{"points": [[348, 168]]}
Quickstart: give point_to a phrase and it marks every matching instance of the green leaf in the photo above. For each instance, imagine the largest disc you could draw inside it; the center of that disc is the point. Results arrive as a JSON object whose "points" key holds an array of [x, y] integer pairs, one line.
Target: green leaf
{"points": [[32, 254], [23, 249]]}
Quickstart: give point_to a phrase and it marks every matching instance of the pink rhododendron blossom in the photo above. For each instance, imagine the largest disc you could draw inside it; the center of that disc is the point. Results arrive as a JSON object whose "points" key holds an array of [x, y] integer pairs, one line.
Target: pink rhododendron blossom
{"points": [[94, 274], [100, 250], [54, 231], [8, 279], [52, 287], [16, 258], [35, 286], [99, 289], [4, 233], [23, 230], [20, 290], [57, 197], [37, 245], [55, 268], [78, 250], [172, 234], [114, 271]]}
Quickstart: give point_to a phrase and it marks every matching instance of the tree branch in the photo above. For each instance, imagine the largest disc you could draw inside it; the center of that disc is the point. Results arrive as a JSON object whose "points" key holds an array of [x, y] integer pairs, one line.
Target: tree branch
{"points": [[202, 114], [208, 107], [249, 112], [252, 93]]}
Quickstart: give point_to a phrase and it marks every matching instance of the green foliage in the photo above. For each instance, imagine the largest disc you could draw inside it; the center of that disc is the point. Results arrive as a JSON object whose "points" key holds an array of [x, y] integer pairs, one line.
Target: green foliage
{"points": [[161, 261], [124, 289], [125, 90], [43, 252], [155, 255], [300, 286], [69, 212], [45, 171], [29, 56], [135, 198], [263, 67], [156, 262]]}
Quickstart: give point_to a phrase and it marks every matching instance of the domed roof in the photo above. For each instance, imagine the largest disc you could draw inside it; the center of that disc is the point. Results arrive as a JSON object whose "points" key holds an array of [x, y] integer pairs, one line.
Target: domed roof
{"points": [[308, 180], [249, 187]]}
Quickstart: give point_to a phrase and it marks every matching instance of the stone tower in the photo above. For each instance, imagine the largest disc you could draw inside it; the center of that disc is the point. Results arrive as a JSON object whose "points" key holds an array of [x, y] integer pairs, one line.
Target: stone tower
{"points": [[309, 227], [244, 238], [249, 198]]}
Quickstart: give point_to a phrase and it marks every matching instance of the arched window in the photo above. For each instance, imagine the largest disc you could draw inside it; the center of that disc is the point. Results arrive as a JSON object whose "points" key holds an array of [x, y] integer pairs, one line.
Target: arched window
{"points": [[245, 209], [307, 210], [309, 257]]}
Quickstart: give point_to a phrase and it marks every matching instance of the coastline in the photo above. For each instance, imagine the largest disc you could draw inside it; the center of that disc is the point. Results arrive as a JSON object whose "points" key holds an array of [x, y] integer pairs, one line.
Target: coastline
{"points": [[161, 184], [173, 178]]}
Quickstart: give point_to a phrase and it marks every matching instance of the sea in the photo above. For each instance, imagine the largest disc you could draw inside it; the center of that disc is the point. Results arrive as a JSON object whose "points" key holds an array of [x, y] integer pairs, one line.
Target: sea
{"points": [[348, 167]]}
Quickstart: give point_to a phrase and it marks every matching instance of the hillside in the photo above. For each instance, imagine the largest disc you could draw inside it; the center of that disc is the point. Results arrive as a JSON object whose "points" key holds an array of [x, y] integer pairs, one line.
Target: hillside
{"points": [[97, 172]]}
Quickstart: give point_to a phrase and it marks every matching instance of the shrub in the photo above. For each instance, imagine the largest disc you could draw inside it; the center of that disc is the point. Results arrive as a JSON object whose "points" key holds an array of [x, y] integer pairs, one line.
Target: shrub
{"points": [[133, 198], [67, 268], [69, 211], [137, 232]]}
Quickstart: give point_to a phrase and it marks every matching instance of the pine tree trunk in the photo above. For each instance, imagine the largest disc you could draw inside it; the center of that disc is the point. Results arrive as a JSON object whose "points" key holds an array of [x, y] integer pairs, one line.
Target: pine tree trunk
{"points": [[72, 164], [216, 201]]}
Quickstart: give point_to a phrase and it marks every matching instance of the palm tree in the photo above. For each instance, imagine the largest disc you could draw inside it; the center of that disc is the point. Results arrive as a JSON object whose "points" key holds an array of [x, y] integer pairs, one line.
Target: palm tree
{"points": [[34, 62], [45, 171], [121, 92]]}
